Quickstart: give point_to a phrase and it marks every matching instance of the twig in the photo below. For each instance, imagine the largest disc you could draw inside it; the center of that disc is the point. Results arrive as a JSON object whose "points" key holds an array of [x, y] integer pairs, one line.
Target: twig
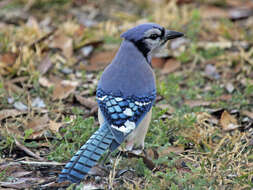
{"points": [[26, 150], [41, 163], [43, 38]]}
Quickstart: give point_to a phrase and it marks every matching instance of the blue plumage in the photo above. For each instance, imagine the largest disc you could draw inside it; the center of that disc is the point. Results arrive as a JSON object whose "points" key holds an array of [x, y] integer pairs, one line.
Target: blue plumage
{"points": [[125, 94], [87, 156], [125, 110], [135, 34]]}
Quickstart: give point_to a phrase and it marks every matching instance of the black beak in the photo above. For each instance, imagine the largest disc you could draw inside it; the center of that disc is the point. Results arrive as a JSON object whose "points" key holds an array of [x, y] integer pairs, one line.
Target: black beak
{"points": [[170, 34]]}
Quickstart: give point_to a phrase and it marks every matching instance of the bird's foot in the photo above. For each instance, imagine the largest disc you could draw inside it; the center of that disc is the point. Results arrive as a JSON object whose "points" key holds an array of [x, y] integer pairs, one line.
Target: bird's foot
{"points": [[137, 150], [100, 170]]}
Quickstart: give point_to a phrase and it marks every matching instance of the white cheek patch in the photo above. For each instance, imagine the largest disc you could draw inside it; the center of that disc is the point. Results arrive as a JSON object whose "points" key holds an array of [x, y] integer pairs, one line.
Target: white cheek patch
{"points": [[153, 44]]}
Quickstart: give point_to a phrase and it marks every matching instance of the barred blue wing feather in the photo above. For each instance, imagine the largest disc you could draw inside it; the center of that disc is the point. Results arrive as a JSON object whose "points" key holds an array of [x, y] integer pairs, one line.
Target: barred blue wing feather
{"points": [[88, 155], [123, 114]]}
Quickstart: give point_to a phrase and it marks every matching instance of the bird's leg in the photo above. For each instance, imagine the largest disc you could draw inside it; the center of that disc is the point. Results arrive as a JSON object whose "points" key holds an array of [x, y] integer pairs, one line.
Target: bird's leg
{"points": [[108, 154]]}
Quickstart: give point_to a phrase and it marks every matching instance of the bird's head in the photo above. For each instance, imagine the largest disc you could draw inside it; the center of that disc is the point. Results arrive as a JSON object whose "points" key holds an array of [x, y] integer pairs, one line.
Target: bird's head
{"points": [[149, 37]]}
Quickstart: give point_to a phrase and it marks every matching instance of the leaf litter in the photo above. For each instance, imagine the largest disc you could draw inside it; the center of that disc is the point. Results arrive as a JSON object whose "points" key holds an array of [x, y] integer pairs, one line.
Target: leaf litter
{"points": [[50, 60]]}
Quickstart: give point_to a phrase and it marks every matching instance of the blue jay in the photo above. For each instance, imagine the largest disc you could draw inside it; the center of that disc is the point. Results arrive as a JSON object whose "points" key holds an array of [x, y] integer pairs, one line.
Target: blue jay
{"points": [[125, 95]]}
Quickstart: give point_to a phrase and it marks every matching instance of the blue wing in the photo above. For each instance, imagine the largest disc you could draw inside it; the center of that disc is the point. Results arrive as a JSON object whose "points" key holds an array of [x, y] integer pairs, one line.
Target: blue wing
{"points": [[123, 114]]}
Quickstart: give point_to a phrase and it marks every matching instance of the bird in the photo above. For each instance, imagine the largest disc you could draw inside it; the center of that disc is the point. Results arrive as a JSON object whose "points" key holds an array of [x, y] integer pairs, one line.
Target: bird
{"points": [[125, 95]]}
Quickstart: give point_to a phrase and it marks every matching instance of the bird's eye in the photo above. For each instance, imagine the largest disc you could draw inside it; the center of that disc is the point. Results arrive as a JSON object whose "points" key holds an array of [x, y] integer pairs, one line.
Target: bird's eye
{"points": [[153, 36]]}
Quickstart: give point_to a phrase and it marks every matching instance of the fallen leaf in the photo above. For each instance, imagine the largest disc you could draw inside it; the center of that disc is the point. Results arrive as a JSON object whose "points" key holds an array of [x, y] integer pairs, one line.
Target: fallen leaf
{"points": [[228, 122], [10, 100], [157, 62], [151, 153], [66, 70], [212, 12], [54, 126], [87, 102], [86, 50], [229, 87], [170, 66], [10, 113], [8, 58], [195, 103], [64, 43], [45, 65], [168, 150], [14, 84], [99, 60], [225, 97], [20, 106], [206, 119], [38, 103], [240, 13], [45, 82], [63, 89], [248, 113], [10, 168], [210, 72], [98, 171], [39, 125]]}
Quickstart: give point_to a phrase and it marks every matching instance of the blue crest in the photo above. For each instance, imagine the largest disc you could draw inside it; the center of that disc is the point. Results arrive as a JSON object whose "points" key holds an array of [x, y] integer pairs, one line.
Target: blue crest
{"points": [[136, 33]]}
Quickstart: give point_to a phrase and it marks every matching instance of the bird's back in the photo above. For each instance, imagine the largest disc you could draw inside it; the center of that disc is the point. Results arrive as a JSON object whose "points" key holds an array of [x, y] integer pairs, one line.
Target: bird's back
{"points": [[129, 74]]}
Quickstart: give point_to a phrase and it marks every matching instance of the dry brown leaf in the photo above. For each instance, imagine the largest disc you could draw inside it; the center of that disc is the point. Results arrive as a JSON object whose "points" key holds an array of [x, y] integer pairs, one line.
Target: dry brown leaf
{"points": [[10, 113], [239, 13], [45, 65], [248, 113], [170, 66], [63, 42], [166, 151], [99, 60], [195, 103], [39, 125], [228, 122], [87, 102], [225, 97], [64, 89], [157, 62], [211, 12], [10, 85], [8, 58], [54, 126], [236, 3], [13, 169], [45, 82], [211, 72]]}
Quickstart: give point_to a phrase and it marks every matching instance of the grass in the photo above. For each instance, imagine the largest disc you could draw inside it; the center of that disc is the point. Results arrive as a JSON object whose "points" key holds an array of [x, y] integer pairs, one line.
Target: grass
{"points": [[212, 159], [75, 135]]}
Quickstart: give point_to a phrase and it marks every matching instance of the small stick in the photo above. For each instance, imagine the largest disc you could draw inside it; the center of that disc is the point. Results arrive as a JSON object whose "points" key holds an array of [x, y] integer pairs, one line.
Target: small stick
{"points": [[26, 150], [43, 38], [41, 163]]}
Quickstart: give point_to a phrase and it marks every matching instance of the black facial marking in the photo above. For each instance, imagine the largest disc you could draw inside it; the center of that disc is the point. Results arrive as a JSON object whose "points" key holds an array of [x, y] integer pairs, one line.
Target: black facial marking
{"points": [[140, 44], [162, 32], [153, 36]]}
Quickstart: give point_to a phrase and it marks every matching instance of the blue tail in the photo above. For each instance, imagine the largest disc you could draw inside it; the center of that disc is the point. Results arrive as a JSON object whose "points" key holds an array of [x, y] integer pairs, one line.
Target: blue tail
{"points": [[88, 155]]}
